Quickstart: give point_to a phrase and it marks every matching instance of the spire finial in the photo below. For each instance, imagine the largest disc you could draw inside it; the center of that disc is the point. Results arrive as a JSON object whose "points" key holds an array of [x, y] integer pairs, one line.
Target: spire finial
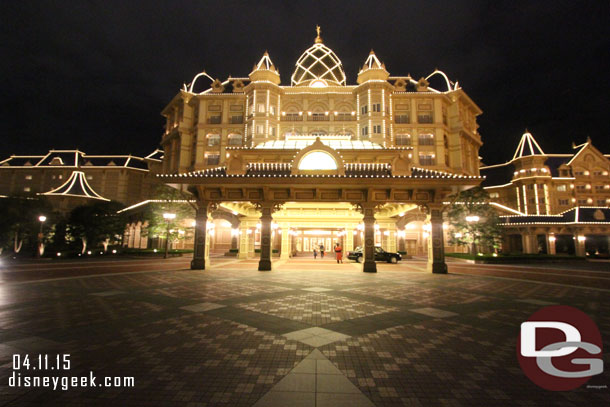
{"points": [[318, 38]]}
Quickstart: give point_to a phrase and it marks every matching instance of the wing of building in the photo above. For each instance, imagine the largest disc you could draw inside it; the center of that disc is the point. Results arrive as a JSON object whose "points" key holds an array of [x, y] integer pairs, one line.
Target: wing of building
{"points": [[70, 177], [554, 203], [319, 157]]}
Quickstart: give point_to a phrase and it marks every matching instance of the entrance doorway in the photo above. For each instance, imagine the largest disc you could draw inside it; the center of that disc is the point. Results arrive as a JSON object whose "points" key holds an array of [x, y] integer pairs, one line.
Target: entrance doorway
{"points": [[308, 239]]}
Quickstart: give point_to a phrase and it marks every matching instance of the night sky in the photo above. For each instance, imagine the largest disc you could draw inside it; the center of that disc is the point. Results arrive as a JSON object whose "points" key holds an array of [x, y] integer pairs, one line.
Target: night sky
{"points": [[95, 75]]}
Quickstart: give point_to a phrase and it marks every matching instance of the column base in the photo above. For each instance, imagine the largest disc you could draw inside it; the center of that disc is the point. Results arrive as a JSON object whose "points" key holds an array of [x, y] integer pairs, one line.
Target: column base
{"points": [[370, 267], [437, 268], [198, 264], [264, 265], [241, 255]]}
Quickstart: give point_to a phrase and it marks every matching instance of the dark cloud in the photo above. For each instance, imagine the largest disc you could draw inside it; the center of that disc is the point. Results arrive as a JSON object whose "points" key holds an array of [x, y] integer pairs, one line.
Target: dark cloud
{"points": [[95, 75]]}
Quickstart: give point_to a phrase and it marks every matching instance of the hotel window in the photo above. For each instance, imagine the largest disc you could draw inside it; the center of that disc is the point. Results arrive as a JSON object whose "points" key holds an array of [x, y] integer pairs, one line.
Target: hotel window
{"points": [[597, 173], [580, 188], [318, 117], [425, 118], [291, 117], [214, 119], [89, 177], [212, 159], [261, 108], [377, 129], [364, 131], [582, 201], [581, 173], [260, 129], [376, 107], [601, 202], [235, 140], [403, 139], [494, 195], [426, 159], [28, 177], [426, 140], [27, 189], [561, 188], [599, 188], [402, 119], [273, 132], [213, 140], [364, 109], [237, 119], [564, 202], [272, 110]]}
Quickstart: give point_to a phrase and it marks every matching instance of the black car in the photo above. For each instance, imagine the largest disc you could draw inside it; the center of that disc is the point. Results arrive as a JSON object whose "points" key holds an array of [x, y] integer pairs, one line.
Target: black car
{"points": [[380, 255]]}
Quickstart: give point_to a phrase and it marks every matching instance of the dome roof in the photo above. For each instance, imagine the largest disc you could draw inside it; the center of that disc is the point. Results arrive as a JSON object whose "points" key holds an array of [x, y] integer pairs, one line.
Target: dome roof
{"points": [[319, 66]]}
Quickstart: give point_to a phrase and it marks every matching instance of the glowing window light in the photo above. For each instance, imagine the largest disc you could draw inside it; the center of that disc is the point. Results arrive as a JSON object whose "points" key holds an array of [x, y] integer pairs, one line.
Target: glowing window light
{"points": [[319, 83], [318, 160]]}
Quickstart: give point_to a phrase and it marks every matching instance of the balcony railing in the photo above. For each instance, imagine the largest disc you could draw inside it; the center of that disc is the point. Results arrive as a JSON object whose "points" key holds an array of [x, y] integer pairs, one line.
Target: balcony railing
{"points": [[292, 118]]}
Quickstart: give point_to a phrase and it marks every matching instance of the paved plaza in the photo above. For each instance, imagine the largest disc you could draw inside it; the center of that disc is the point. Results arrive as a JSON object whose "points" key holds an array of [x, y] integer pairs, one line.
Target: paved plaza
{"points": [[308, 333]]}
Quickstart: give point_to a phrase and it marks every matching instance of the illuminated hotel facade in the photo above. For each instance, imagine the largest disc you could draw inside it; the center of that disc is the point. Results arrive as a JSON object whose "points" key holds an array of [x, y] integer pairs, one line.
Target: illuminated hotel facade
{"points": [[553, 203], [320, 161]]}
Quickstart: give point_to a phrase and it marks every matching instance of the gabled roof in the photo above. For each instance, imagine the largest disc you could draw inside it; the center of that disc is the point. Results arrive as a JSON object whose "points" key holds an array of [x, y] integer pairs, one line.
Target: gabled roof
{"points": [[75, 186]]}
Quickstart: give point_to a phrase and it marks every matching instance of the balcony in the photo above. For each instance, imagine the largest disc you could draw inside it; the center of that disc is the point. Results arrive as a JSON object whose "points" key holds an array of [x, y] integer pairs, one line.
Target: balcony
{"points": [[319, 117], [344, 117], [237, 119], [291, 118]]}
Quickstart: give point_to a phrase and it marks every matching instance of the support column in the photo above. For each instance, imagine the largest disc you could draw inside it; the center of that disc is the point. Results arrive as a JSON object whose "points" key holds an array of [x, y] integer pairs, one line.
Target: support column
{"points": [[369, 265], [529, 243], [436, 242], [200, 247], [264, 263], [551, 244], [243, 241], [579, 244], [385, 240], [251, 241], [349, 240], [285, 246], [392, 239]]}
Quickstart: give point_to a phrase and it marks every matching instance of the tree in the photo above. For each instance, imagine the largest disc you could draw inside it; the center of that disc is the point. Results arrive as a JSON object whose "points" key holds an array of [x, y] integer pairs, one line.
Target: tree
{"points": [[474, 221], [19, 222], [170, 201], [97, 223]]}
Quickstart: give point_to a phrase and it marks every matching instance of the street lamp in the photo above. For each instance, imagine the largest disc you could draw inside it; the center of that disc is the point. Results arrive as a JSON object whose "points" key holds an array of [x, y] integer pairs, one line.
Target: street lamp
{"points": [[42, 220], [168, 217]]}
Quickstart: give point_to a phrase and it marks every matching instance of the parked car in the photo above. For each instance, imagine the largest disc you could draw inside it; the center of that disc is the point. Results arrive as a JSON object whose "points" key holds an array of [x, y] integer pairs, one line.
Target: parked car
{"points": [[380, 255]]}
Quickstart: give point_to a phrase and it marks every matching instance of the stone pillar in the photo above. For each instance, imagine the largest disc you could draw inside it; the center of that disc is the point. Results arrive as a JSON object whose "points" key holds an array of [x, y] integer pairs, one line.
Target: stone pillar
{"points": [[349, 240], [264, 263], [579, 244], [285, 238], [392, 239], [369, 265], [529, 243], [436, 242], [385, 240], [200, 247], [551, 244], [243, 242]]}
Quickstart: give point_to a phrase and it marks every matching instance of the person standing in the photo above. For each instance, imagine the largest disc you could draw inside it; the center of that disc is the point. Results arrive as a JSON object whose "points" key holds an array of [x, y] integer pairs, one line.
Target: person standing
{"points": [[315, 253], [321, 251], [339, 253]]}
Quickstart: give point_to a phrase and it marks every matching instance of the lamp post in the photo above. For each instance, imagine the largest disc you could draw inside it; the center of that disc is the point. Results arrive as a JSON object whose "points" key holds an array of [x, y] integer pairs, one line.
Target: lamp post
{"points": [[168, 217], [472, 219], [42, 219]]}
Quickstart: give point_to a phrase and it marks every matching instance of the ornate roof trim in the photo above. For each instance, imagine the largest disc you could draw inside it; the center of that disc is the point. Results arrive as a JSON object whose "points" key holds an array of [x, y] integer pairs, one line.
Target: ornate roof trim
{"points": [[76, 186]]}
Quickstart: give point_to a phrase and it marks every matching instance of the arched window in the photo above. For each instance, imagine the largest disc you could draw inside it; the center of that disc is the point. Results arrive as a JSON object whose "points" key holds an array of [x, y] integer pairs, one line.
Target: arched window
{"points": [[235, 140], [318, 160], [213, 140], [403, 139]]}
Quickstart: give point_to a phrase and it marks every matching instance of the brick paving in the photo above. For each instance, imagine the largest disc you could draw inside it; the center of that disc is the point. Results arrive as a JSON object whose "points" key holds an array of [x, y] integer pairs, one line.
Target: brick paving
{"points": [[307, 333]]}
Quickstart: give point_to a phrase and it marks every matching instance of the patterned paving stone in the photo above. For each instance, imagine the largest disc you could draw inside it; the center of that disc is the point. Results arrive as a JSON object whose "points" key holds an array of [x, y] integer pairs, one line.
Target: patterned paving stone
{"points": [[316, 308], [248, 331]]}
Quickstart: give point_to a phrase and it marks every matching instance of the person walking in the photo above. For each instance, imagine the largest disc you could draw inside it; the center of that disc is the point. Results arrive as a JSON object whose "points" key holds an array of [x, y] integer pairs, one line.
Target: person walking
{"points": [[339, 253], [315, 253], [321, 251]]}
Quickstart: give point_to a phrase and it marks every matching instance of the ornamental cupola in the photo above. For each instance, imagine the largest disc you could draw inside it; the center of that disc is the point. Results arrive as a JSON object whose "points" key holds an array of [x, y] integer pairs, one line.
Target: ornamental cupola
{"points": [[265, 71], [372, 69]]}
